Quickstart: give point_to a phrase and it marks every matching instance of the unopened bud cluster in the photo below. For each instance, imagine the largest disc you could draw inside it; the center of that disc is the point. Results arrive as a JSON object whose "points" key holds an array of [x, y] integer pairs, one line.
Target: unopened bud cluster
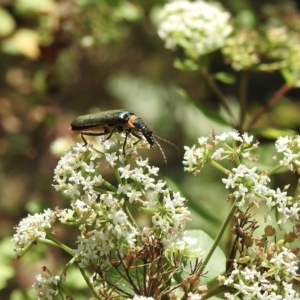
{"points": [[198, 27]]}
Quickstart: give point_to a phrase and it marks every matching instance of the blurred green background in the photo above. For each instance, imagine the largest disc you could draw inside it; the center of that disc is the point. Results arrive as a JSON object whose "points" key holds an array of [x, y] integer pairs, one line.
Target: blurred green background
{"points": [[62, 59]]}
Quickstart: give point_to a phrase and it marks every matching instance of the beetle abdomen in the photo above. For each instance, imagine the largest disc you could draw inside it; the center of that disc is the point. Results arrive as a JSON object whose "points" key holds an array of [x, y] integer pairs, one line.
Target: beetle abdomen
{"points": [[111, 118]]}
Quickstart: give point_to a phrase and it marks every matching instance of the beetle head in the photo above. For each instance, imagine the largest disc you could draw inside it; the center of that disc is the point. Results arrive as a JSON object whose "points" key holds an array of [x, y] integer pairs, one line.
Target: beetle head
{"points": [[147, 133], [140, 126]]}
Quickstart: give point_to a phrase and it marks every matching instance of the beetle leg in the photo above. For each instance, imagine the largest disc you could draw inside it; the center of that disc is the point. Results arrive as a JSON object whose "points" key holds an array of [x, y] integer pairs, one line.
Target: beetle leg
{"points": [[90, 134], [137, 136], [106, 131], [111, 132], [127, 132], [84, 140], [124, 144]]}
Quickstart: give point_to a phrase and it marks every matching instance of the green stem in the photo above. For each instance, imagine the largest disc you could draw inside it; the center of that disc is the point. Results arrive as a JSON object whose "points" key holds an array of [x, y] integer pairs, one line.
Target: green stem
{"points": [[131, 217], [24, 250], [217, 290], [118, 177], [218, 238], [64, 291], [243, 89], [271, 66], [53, 241], [88, 282], [70, 263], [110, 186], [218, 166], [212, 84], [274, 170]]}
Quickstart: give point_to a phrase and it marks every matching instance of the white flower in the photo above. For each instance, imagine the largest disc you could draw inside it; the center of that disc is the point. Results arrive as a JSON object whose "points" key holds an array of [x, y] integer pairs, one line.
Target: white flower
{"points": [[111, 158], [228, 296], [136, 297], [148, 182], [222, 137], [234, 134], [192, 296], [230, 181], [249, 274], [125, 172], [134, 195], [217, 155], [247, 139], [123, 188], [282, 143], [202, 140]]}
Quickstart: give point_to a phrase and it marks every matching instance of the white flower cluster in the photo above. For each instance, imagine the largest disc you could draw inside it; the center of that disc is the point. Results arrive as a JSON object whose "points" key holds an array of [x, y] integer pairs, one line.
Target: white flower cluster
{"points": [[47, 286], [98, 206], [101, 210], [249, 185], [242, 49], [271, 281], [290, 148], [198, 27], [31, 229], [216, 148]]}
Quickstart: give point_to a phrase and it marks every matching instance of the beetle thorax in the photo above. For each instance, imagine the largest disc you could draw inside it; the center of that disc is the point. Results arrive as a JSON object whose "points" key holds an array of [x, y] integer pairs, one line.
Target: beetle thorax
{"points": [[135, 123], [131, 123]]}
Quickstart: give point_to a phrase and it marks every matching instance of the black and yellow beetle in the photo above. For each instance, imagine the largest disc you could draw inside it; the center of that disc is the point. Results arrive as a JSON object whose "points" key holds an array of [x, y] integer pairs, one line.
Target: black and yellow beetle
{"points": [[109, 122]]}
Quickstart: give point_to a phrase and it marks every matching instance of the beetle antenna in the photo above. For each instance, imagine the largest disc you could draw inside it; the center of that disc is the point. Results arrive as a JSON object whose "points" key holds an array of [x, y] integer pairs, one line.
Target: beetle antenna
{"points": [[163, 154], [168, 142]]}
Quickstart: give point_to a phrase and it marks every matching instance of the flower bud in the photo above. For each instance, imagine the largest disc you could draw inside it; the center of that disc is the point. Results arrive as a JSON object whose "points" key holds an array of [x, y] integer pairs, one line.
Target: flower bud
{"points": [[289, 237], [244, 260], [270, 230], [248, 241]]}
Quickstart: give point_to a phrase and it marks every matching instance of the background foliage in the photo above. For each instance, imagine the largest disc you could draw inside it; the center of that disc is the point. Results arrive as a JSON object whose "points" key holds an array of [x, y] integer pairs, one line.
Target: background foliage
{"points": [[61, 59]]}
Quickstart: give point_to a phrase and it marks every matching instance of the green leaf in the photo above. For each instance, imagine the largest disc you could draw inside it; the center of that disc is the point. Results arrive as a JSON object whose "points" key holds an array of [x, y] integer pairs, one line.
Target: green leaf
{"points": [[225, 77], [288, 76], [296, 83], [7, 271], [127, 11], [22, 294], [7, 23], [272, 133], [24, 41], [114, 277], [186, 64], [209, 113], [30, 7], [246, 18], [204, 212], [202, 243]]}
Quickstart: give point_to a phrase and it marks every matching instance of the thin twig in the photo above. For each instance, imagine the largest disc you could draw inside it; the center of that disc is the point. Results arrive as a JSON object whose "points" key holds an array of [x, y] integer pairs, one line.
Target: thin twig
{"points": [[276, 97], [215, 88]]}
